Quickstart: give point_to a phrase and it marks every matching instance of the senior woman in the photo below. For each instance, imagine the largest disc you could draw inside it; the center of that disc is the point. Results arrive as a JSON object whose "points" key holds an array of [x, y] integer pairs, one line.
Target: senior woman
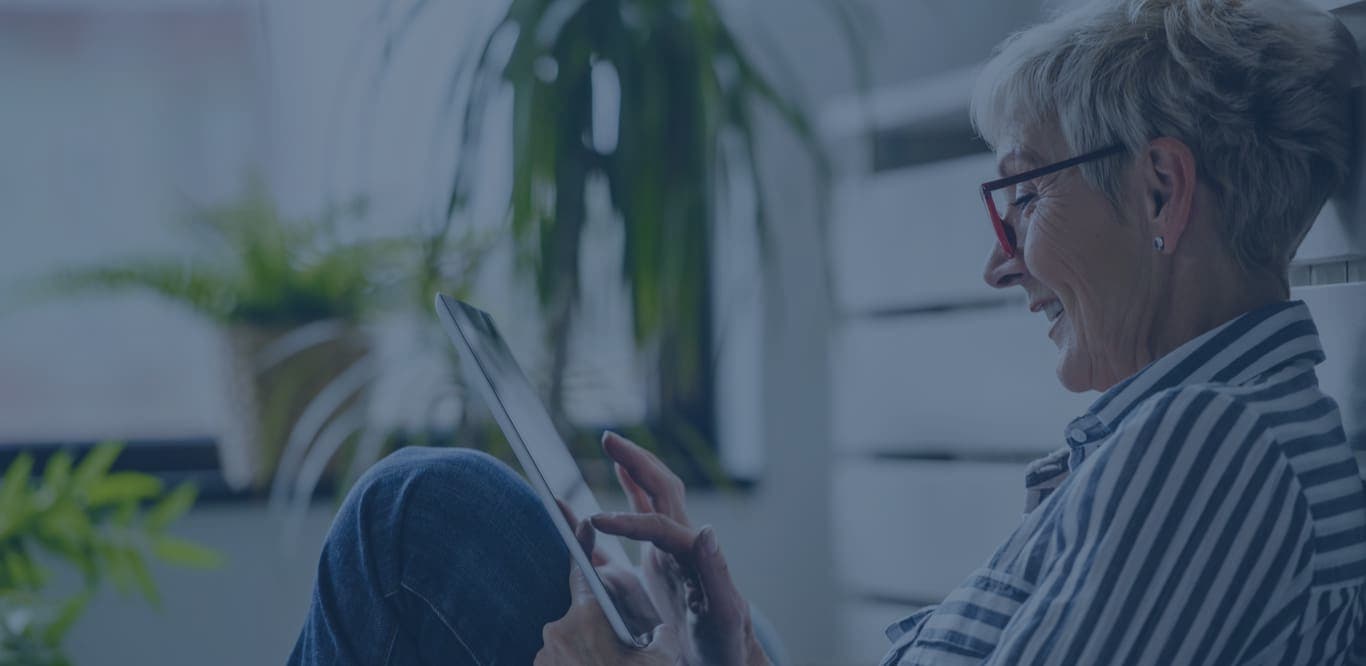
{"points": [[1160, 162]]}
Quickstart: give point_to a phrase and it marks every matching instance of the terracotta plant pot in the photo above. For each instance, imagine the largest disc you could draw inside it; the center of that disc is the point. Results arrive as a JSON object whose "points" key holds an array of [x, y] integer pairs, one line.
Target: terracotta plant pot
{"points": [[276, 374]]}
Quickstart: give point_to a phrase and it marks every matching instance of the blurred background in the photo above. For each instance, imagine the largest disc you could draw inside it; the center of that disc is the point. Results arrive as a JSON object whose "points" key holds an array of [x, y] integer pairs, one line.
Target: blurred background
{"points": [[748, 234]]}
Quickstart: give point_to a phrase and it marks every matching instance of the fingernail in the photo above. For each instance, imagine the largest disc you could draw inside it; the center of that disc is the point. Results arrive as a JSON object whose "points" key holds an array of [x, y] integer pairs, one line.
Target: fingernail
{"points": [[605, 435], [709, 543]]}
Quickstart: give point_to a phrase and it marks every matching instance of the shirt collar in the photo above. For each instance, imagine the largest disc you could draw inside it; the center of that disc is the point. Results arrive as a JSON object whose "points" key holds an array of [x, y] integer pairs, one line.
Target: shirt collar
{"points": [[1259, 342], [1256, 343]]}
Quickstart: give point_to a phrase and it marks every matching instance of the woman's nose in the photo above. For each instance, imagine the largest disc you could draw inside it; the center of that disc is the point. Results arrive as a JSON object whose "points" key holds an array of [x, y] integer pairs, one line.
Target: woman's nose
{"points": [[1003, 271]]}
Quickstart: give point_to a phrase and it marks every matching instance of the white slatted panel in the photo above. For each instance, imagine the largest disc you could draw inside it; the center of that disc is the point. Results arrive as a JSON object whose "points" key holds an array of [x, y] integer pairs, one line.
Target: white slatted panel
{"points": [[1329, 5], [1331, 237], [913, 237], [965, 382], [1340, 312], [914, 530]]}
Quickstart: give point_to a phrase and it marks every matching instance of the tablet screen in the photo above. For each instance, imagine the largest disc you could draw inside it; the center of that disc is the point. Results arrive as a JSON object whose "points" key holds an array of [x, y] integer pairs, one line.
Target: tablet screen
{"points": [[523, 417]]}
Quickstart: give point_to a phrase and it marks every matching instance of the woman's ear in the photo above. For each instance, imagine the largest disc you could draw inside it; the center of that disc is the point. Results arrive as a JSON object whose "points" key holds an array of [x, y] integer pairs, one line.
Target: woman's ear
{"points": [[1170, 183]]}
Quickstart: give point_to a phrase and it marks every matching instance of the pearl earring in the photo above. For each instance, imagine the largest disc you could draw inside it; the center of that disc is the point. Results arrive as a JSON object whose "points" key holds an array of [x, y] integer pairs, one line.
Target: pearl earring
{"points": [[1159, 243]]}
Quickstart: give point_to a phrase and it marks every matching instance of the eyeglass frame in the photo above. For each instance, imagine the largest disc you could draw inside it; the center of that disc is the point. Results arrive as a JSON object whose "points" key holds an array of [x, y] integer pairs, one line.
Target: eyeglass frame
{"points": [[998, 222]]}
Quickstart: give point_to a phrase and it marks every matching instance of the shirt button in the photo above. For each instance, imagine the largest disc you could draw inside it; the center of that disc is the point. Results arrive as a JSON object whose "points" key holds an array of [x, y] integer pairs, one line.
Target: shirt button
{"points": [[1077, 435]]}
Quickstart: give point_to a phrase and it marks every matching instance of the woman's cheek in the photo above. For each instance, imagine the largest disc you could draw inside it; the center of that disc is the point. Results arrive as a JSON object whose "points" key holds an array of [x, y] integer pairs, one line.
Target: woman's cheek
{"points": [[1043, 251], [1061, 262]]}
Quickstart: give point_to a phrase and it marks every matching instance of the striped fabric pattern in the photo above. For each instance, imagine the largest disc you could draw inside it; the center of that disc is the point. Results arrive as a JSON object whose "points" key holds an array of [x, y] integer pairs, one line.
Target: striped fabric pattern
{"points": [[1208, 510]]}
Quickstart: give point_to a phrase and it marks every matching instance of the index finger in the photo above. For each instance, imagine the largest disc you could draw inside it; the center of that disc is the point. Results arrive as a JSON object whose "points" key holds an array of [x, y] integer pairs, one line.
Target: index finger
{"points": [[662, 485], [638, 498], [664, 532]]}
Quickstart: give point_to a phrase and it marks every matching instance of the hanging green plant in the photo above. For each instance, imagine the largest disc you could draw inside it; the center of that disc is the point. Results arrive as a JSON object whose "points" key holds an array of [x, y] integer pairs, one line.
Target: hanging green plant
{"points": [[264, 270], [681, 98], [291, 296]]}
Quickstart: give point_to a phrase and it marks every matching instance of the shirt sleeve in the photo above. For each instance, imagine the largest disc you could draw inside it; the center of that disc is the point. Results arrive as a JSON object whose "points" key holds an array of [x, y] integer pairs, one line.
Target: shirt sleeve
{"points": [[1186, 539]]}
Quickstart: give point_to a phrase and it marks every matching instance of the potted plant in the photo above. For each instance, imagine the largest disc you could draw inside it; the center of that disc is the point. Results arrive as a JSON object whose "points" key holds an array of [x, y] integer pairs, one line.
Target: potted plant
{"points": [[291, 296], [686, 97], [103, 524]]}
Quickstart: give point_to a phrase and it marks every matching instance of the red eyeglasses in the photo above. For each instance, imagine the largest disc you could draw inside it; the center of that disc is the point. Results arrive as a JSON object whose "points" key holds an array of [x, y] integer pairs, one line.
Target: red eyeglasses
{"points": [[998, 198]]}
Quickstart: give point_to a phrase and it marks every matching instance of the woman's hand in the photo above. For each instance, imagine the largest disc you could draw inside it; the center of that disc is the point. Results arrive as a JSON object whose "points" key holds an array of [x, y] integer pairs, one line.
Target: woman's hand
{"points": [[621, 579], [583, 638], [686, 575]]}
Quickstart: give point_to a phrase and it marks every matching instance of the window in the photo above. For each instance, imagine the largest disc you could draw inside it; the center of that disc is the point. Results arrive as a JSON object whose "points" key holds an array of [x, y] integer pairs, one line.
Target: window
{"points": [[125, 116], [134, 115]]}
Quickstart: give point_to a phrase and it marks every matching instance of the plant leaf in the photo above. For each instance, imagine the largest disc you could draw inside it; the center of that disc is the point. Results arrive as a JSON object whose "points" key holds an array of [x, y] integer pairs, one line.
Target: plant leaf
{"points": [[171, 507], [122, 487], [16, 479], [56, 479], [137, 570], [116, 567], [65, 527], [186, 553], [70, 611], [57, 471], [14, 494], [126, 513], [20, 570], [95, 464], [191, 284]]}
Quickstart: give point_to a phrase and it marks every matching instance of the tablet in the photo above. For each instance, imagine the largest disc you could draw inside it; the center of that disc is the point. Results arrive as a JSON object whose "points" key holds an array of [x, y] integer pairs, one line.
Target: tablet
{"points": [[546, 461]]}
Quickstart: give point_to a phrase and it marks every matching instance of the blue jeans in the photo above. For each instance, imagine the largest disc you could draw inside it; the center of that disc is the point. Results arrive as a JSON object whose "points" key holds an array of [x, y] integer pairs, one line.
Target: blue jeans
{"points": [[438, 556]]}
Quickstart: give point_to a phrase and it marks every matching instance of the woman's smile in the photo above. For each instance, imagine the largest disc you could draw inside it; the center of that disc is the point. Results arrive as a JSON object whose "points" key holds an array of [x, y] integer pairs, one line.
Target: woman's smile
{"points": [[1052, 309], [1057, 324]]}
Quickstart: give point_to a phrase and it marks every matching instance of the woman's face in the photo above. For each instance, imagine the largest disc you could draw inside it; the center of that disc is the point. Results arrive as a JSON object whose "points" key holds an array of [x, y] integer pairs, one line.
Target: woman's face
{"points": [[1081, 265]]}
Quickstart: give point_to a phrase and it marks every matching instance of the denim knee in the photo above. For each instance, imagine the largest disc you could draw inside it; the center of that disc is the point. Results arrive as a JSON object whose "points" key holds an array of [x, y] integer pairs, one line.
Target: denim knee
{"points": [[446, 543], [459, 483], [417, 496], [452, 466]]}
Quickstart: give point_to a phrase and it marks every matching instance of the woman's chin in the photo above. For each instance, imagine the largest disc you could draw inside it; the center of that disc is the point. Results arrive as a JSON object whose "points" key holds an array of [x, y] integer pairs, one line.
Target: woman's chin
{"points": [[1073, 372], [1071, 380]]}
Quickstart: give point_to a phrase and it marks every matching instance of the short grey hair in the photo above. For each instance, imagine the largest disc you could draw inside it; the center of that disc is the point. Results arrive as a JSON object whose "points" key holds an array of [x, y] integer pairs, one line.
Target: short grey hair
{"points": [[1256, 89]]}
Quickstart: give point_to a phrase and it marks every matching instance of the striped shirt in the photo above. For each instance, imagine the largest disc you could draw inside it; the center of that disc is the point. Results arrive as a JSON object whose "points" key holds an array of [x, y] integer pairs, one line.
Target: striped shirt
{"points": [[1207, 510]]}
